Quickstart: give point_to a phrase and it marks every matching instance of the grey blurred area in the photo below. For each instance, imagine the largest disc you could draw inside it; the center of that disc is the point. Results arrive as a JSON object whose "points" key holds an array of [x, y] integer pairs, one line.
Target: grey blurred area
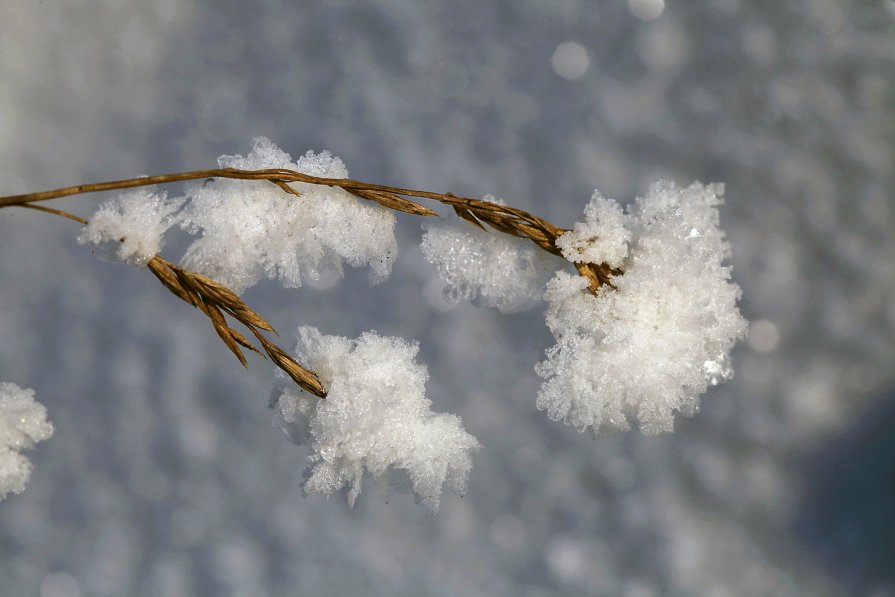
{"points": [[165, 475]]}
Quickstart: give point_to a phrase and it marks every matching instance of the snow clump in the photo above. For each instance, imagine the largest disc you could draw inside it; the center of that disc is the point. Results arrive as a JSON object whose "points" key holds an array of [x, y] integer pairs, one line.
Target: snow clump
{"points": [[654, 343], [601, 238], [254, 229], [375, 418], [130, 227], [485, 267], [23, 423]]}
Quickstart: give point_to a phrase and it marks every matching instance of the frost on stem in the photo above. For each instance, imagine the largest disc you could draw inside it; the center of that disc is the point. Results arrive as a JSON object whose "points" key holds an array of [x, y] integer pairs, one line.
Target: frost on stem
{"points": [[253, 229], [654, 343], [130, 227], [485, 267], [376, 418], [23, 423], [601, 238]]}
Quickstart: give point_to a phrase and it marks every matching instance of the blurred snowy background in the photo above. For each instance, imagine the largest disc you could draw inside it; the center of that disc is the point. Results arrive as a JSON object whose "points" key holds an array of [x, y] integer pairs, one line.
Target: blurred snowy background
{"points": [[166, 477]]}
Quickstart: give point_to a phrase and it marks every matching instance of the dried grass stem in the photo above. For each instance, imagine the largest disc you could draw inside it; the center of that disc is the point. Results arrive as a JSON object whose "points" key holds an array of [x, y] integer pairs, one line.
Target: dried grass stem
{"points": [[502, 218], [217, 301]]}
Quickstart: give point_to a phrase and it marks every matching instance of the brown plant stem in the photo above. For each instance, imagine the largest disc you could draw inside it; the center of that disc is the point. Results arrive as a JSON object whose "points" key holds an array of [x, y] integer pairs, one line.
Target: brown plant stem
{"points": [[215, 300], [55, 212], [508, 220]]}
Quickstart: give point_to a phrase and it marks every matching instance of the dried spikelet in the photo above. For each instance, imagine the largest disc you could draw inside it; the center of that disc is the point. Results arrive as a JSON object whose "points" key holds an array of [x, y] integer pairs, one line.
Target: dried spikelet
{"points": [[223, 330], [214, 299], [242, 341], [392, 201], [159, 268], [468, 216], [597, 275], [248, 317], [305, 378], [286, 187]]}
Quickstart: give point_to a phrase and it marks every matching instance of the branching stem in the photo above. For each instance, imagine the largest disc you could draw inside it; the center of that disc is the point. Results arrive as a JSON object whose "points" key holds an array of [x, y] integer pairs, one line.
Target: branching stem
{"points": [[509, 220], [215, 300]]}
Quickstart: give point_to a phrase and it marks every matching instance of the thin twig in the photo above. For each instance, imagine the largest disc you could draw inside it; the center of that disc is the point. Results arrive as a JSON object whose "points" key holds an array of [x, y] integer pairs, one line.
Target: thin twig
{"points": [[502, 218], [214, 299], [57, 212]]}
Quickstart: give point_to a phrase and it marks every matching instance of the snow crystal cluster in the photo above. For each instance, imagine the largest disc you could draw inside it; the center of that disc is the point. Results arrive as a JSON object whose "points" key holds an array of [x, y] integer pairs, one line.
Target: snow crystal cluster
{"points": [[375, 419], [23, 423], [654, 343], [601, 238], [254, 229], [130, 227], [484, 266]]}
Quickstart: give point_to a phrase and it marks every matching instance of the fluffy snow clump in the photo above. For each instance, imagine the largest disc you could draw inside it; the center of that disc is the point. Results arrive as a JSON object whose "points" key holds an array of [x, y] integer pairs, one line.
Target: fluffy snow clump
{"points": [[656, 342], [130, 227], [23, 423], [601, 238], [485, 267], [253, 229], [375, 418]]}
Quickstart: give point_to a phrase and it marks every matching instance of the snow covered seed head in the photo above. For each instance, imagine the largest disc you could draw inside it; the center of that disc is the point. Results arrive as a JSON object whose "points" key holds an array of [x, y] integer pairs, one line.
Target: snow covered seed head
{"points": [[23, 423], [254, 229], [656, 342], [601, 238], [375, 418], [130, 227], [484, 267]]}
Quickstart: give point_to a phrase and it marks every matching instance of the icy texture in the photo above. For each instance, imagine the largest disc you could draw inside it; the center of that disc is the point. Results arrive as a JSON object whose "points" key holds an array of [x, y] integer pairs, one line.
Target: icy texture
{"points": [[23, 423], [601, 238], [376, 418], [651, 346], [253, 229], [484, 266], [130, 227]]}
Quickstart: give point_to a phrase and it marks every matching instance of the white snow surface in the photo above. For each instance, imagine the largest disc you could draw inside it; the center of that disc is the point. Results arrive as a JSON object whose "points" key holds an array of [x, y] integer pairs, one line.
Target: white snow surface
{"points": [[484, 266], [375, 418], [130, 227], [254, 229], [23, 423], [652, 345]]}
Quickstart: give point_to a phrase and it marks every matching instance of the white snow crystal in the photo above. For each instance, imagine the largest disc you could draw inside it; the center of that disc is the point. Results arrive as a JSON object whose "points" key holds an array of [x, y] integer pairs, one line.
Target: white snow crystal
{"points": [[253, 229], [484, 266], [130, 227], [23, 423], [376, 418], [601, 238], [656, 342]]}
